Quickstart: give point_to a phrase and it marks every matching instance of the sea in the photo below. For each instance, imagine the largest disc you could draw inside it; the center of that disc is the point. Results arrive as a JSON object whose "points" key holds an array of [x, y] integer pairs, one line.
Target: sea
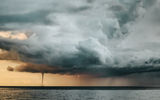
{"points": [[53, 94]]}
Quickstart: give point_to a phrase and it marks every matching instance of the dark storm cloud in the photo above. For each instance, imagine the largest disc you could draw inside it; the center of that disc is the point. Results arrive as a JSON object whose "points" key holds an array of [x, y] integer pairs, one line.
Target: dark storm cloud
{"points": [[31, 17], [98, 72], [83, 62], [100, 37], [28, 12], [2, 28], [34, 17]]}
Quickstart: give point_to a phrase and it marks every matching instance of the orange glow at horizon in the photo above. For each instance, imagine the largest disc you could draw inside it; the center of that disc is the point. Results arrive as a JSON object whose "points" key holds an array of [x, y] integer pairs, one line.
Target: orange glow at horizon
{"points": [[8, 78]]}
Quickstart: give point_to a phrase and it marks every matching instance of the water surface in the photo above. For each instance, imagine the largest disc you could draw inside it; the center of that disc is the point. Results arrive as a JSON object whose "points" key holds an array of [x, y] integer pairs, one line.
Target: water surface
{"points": [[52, 94]]}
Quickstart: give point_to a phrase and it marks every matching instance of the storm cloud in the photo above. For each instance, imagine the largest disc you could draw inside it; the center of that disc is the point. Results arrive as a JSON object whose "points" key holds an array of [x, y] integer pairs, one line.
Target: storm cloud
{"points": [[99, 37]]}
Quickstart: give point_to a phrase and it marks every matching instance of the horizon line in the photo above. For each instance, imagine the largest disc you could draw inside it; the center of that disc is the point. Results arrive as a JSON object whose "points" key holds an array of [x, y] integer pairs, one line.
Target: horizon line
{"points": [[86, 87]]}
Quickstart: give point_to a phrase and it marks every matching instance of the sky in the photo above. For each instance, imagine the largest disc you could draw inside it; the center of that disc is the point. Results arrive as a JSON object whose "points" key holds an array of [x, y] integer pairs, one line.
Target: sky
{"points": [[111, 42]]}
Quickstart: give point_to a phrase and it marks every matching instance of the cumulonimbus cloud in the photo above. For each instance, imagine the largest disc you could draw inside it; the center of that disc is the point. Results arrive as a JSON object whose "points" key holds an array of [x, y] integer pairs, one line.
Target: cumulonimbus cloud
{"points": [[103, 37]]}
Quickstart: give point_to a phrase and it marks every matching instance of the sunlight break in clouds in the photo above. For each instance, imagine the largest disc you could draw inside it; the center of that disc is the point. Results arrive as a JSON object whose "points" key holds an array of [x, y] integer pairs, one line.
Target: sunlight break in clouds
{"points": [[13, 35]]}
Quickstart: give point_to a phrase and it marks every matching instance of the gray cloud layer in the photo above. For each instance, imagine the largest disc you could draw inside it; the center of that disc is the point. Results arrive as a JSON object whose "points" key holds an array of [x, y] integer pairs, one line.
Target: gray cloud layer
{"points": [[103, 37]]}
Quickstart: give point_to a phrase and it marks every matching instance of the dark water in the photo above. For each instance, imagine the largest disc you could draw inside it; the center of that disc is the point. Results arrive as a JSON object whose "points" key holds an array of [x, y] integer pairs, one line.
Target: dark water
{"points": [[33, 94]]}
